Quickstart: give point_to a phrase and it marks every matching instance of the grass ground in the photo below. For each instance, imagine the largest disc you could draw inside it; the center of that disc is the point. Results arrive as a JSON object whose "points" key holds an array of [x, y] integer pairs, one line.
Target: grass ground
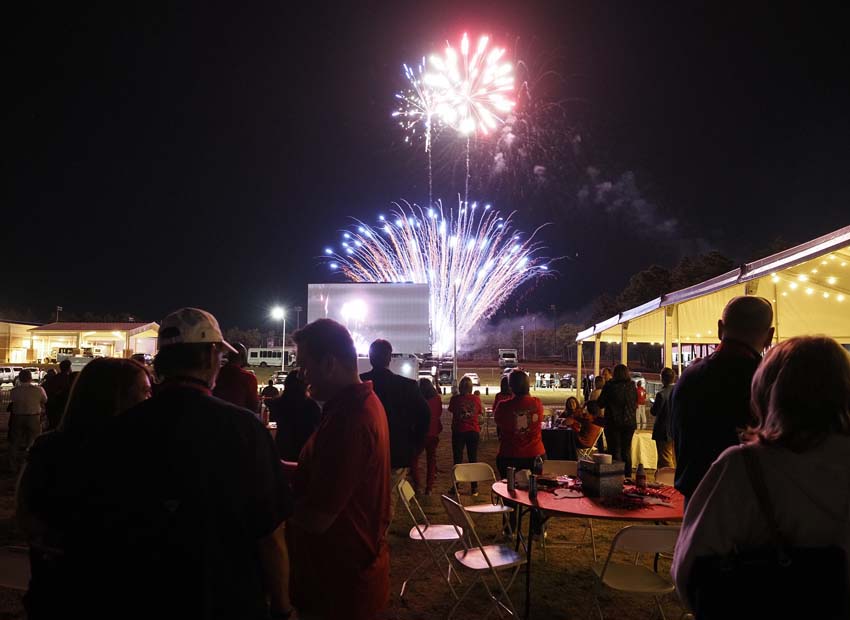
{"points": [[562, 586]]}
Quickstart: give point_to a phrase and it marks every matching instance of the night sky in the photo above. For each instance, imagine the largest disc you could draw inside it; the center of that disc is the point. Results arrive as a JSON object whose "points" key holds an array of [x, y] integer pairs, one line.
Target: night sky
{"points": [[204, 154]]}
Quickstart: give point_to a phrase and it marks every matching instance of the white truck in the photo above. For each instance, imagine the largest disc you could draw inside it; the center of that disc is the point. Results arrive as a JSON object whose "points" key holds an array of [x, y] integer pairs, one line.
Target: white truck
{"points": [[508, 358]]}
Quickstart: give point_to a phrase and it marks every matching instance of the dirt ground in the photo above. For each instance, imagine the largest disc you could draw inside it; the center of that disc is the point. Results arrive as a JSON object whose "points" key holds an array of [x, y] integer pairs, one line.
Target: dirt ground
{"points": [[561, 586]]}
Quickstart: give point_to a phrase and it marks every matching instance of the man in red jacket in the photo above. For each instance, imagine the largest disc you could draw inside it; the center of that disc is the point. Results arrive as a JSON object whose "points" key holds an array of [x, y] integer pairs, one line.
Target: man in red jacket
{"points": [[340, 558]]}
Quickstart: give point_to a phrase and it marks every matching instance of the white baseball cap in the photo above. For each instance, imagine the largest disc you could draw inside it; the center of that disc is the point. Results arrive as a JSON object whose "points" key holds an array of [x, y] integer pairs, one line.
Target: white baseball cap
{"points": [[190, 326]]}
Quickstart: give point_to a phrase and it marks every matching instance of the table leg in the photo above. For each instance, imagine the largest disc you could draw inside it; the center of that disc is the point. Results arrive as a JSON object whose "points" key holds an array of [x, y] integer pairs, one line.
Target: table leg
{"points": [[529, 541]]}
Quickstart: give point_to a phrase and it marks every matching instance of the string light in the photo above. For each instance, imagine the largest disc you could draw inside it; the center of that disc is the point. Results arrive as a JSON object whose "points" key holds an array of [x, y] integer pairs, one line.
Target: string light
{"points": [[793, 286], [826, 295], [840, 297], [803, 278], [832, 279], [810, 291]]}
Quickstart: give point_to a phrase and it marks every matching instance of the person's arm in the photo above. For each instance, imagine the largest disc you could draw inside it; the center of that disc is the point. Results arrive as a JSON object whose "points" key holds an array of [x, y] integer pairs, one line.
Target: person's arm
{"points": [[274, 565], [421, 416]]}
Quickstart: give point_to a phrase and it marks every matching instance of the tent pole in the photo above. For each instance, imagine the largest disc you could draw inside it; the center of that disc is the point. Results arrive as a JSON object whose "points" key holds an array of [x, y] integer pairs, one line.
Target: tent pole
{"points": [[679, 338], [624, 343], [597, 349], [579, 386]]}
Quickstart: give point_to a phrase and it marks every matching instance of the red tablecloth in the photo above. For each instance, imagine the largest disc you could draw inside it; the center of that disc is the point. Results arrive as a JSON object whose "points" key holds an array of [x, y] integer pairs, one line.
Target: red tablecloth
{"points": [[595, 508]]}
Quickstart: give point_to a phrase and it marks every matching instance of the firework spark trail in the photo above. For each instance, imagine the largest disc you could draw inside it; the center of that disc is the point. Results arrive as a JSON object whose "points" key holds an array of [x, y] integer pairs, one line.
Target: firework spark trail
{"points": [[472, 94], [472, 250], [416, 114]]}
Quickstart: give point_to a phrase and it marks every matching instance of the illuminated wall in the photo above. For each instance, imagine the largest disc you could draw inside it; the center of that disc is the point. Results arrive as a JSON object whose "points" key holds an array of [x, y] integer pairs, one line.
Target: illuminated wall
{"points": [[395, 312]]}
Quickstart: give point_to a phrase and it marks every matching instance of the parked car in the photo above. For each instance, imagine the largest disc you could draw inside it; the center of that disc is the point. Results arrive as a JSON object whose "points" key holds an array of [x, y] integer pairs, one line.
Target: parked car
{"points": [[7, 375], [567, 381], [143, 358], [474, 377], [444, 376]]}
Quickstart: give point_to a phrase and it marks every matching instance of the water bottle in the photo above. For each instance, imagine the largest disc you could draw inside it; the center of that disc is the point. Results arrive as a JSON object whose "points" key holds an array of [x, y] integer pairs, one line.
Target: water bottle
{"points": [[640, 477], [532, 487], [537, 468], [511, 471]]}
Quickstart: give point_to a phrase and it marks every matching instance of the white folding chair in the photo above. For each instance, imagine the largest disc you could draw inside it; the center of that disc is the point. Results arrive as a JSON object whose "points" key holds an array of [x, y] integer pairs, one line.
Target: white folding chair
{"points": [[665, 475], [481, 473], [439, 540], [484, 559], [632, 577], [565, 468]]}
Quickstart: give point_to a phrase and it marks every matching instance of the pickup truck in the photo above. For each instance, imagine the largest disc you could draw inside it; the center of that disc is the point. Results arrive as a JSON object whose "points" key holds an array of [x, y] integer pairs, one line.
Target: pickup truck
{"points": [[508, 358]]}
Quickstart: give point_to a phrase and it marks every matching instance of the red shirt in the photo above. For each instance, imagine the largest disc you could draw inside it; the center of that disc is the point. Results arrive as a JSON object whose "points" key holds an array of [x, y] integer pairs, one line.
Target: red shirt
{"points": [[237, 386], [641, 399], [519, 421], [465, 410], [344, 470], [500, 398], [435, 404]]}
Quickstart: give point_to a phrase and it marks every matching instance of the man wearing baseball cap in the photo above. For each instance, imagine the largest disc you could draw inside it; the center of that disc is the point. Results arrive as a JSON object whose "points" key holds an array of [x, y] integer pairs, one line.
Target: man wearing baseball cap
{"points": [[191, 506]]}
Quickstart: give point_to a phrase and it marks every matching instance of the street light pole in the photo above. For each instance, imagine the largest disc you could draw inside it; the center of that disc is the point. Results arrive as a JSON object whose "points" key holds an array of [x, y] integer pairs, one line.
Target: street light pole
{"points": [[298, 310], [454, 355], [522, 329], [279, 313]]}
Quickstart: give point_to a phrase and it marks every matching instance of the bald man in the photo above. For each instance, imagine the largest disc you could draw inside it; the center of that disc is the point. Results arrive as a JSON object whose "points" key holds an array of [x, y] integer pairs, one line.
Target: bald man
{"points": [[711, 401]]}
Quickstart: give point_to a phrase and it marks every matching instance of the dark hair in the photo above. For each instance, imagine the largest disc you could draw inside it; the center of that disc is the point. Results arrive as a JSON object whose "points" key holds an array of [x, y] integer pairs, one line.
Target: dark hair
{"points": [[504, 385], [465, 386], [65, 365], [621, 372], [98, 392], [518, 381], [427, 388], [326, 337], [567, 404], [25, 376], [176, 359], [381, 353], [598, 381], [667, 376], [294, 386], [801, 393]]}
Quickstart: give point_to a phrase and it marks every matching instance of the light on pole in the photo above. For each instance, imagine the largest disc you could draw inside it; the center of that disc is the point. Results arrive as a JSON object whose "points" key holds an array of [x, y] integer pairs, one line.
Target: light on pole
{"points": [[522, 329], [279, 313]]}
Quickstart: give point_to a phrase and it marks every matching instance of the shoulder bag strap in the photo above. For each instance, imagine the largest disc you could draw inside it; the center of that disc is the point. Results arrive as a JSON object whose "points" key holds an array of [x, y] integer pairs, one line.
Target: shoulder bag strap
{"points": [[756, 476]]}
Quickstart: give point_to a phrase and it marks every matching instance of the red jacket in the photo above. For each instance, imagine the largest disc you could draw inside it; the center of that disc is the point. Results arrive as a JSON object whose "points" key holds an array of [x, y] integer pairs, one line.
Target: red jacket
{"points": [[237, 386]]}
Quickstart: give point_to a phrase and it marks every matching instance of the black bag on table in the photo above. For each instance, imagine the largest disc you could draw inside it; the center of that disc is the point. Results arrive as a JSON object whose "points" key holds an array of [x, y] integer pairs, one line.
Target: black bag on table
{"points": [[776, 580]]}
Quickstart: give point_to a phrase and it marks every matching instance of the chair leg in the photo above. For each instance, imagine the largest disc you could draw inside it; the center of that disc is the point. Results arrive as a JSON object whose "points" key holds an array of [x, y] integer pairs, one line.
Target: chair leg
{"points": [[592, 538], [509, 607], [460, 600], [660, 608]]}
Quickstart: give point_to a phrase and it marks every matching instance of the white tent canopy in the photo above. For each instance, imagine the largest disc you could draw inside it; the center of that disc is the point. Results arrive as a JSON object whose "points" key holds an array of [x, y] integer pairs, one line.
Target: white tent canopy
{"points": [[809, 286]]}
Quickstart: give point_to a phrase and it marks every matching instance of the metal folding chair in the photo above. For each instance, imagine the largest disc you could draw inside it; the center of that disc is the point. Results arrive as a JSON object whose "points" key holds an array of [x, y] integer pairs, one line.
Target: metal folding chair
{"points": [[481, 473], [439, 540], [484, 559], [631, 577]]}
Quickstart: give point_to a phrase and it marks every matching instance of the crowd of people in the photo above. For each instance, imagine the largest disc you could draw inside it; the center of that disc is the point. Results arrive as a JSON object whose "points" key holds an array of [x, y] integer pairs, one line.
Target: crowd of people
{"points": [[178, 504]]}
